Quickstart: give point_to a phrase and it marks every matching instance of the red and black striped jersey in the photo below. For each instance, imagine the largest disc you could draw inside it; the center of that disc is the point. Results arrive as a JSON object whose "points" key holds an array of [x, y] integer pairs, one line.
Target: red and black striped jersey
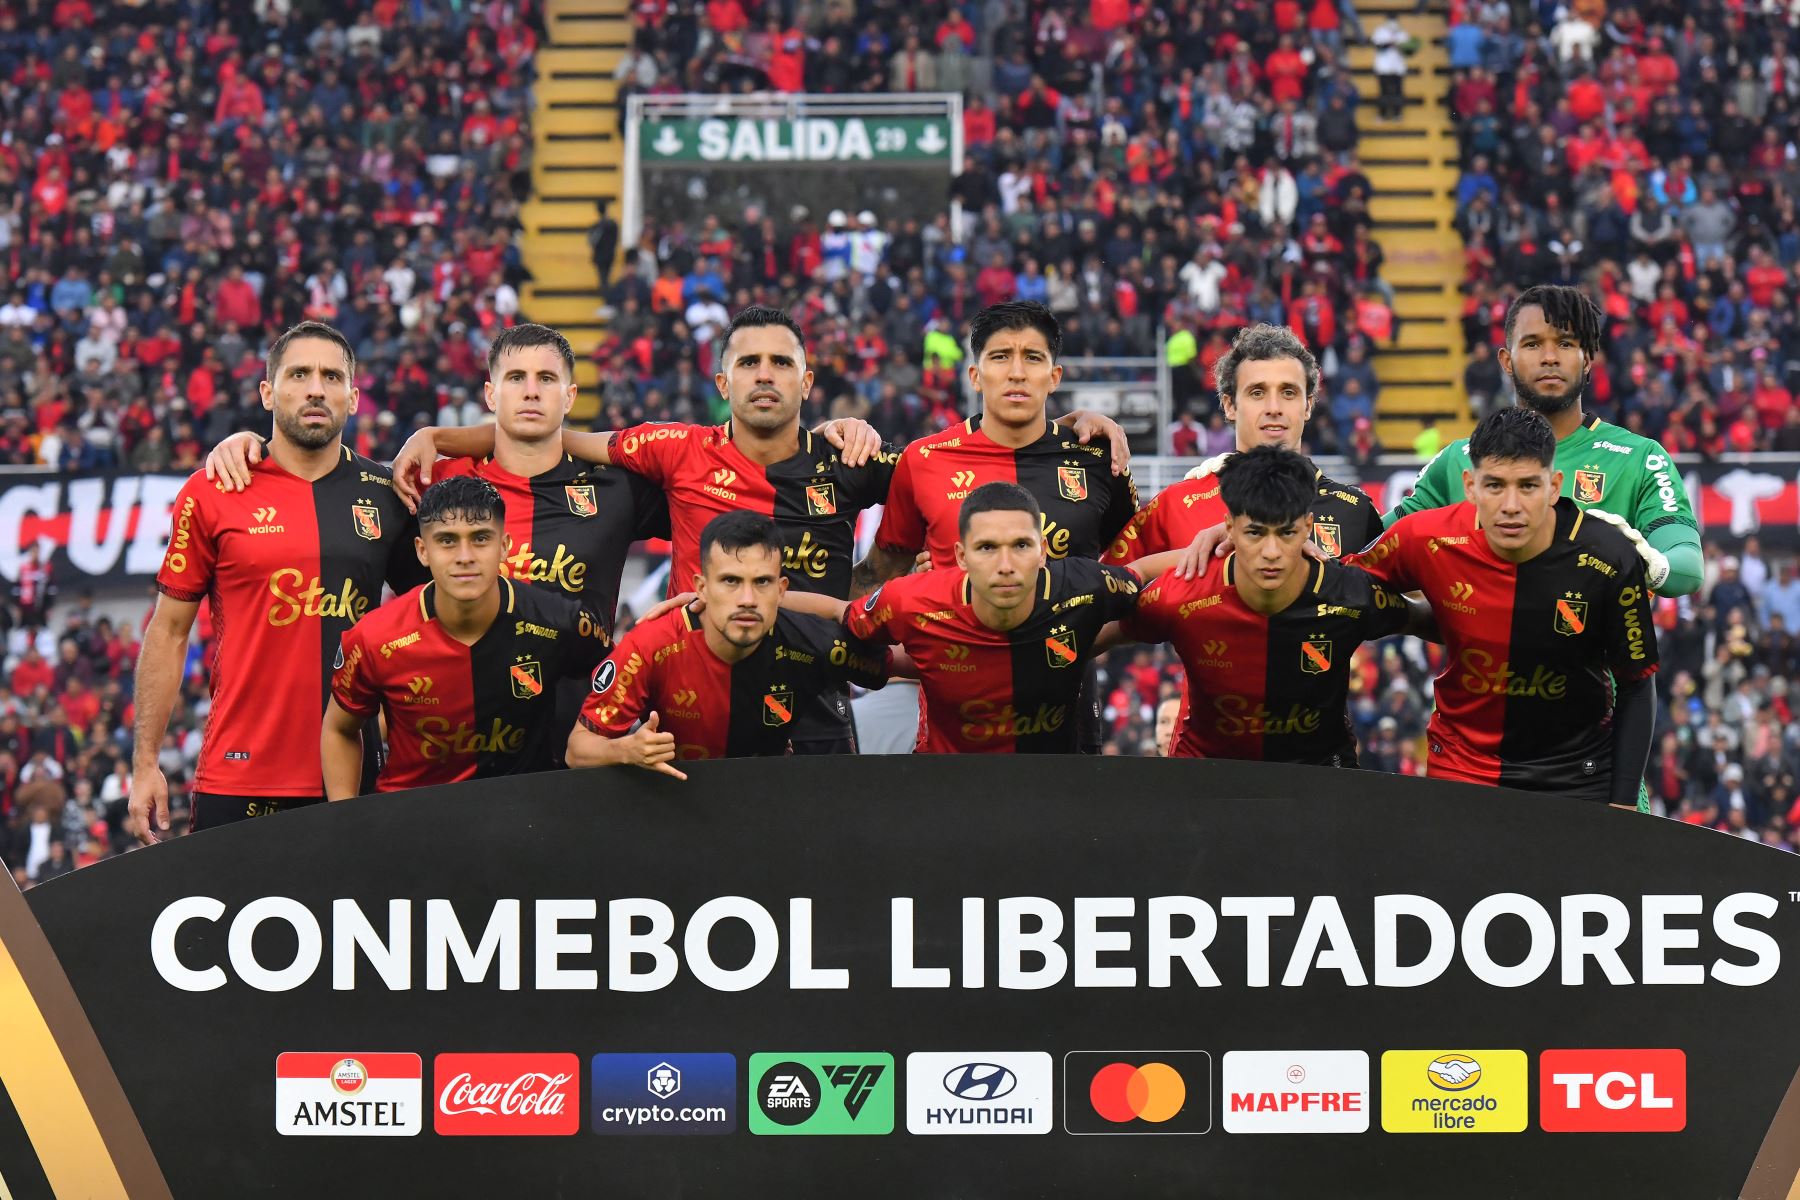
{"points": [[718, 709], [570, 528], [288, 566], [1344, 519], [1085, 504], [1525, 698], [456, 711], [993, 692], [813, 497], [1269, 688]]}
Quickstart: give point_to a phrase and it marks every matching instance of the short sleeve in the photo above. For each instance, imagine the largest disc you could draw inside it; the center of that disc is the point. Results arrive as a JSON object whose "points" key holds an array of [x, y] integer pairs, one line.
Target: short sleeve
{"points": [[1130, 539], [871, 618], [1662, 498], [1386, 560], [1367, 526], [649, 509], [621, 688], [1631, 650], [192, 555], [1118, 592], [871, 483], [902, 524], [1384, 611], [352, 684], [404, 570], [840, 654], [1121, 505], [1148, 619], [588, 641], [654, 450]]}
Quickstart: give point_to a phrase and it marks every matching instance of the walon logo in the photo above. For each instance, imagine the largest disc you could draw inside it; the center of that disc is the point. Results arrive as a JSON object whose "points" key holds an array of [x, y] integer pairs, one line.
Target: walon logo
{"points": [[821, 1093]]}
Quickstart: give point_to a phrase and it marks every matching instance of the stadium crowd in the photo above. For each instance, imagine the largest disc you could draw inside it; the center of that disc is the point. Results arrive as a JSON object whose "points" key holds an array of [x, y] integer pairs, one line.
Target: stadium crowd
{"points": [[1136, 171], [1648, 152]]}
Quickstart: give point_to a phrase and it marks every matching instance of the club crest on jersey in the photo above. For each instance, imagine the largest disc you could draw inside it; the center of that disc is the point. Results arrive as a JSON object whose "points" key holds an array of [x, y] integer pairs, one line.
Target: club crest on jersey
{"points": [[367, 521], [581, 499], [1071, 483], [1060, 646], [821, 499], [1315, 655], [1329, 537], [1571, 614], [527, 678], [1590, 486], [778, 705]]}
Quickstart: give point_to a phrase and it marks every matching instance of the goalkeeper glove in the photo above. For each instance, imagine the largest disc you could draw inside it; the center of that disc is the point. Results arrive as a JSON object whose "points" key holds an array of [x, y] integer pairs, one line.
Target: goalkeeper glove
{"points": [[1656, 563]]}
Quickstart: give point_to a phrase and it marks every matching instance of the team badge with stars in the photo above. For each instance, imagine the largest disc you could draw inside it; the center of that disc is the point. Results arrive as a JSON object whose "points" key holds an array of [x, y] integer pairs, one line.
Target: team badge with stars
{"points": [[527, 677], [1329, 537], [1590, 486], [581, 499], [821, 499], [1571, 614], [1315, 654], [778, 705], [366, 520], [1071, 483], [1060, 646]]}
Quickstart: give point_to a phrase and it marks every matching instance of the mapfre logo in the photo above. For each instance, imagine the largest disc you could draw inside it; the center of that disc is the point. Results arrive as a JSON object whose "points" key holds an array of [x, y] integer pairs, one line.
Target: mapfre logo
{"points": [[508, 1094], [1296, 1091], [1612, 1091]]}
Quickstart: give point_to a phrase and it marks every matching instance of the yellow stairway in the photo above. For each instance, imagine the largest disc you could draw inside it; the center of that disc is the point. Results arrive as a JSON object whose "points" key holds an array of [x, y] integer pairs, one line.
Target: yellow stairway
{"points": [[1412, 164], [578, 154]]}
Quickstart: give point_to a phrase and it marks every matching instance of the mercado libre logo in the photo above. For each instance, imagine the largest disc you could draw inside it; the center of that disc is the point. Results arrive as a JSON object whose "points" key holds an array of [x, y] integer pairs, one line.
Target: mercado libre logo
{"points": [[1454, 1091]]}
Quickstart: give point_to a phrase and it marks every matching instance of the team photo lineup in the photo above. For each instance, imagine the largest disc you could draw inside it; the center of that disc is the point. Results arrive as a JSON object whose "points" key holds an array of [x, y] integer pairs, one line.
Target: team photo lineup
{"points": [[1010, 552]]}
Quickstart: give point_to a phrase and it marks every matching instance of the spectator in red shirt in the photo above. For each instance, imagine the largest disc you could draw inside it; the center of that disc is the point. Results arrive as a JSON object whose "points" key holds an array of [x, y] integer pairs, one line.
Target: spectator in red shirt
{"points": [[32, 673], [236, 301], [996, 281], [239, 100], [1286, 72]]}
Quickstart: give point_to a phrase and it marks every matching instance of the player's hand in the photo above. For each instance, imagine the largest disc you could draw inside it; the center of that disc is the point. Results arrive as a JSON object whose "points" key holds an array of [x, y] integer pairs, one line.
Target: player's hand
{"points": [[1207, 545], [922, 562], [1087, 425], [1210, 466], [415, 461], [653, 749], [147, 812], [230, 461], [670, 605], [1656, 563], [856, 441]]}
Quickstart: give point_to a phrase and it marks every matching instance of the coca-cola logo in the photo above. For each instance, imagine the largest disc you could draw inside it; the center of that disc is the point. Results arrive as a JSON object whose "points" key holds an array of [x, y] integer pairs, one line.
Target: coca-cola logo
{"points": [[509, 1094]]}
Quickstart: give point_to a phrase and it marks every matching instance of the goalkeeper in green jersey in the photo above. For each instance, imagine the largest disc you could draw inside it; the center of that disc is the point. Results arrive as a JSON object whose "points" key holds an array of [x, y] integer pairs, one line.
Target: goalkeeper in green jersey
{"points": [[1552, 339]]}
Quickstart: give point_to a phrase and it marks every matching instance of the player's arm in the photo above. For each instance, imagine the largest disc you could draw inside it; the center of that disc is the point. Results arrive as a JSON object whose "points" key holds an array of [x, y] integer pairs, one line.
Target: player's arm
{"points": [[341, 751], [1634, 728], [880, 565], [646, 746], [414, 465], [1152, 565], [1388, 560], [404, 570], [158, 681], [898, 540], [229, 462], [1631, 655], [814, 604], [1431, 490], [603, 735], [1087, 425], [1665, 517], [1421, 621], [1121, 506]]}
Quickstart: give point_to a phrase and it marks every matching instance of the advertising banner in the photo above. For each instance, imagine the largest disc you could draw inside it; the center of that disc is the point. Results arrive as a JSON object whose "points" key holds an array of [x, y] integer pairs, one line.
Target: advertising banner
{"points": [[937, 976]]}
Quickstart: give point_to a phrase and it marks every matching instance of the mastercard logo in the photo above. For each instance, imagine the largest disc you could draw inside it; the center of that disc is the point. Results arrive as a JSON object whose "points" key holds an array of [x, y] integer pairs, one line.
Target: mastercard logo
{"points": [[1153, 1092]]}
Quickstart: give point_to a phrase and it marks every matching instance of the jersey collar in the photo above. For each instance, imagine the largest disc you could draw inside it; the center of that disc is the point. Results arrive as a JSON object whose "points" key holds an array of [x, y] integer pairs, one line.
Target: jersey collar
{"points": [[1318, 579], [968, 589], [728, 432], [428, 598]]}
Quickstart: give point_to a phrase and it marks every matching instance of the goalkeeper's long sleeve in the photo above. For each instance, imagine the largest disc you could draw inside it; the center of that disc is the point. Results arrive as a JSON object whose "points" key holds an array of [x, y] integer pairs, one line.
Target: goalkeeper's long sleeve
{"points": [[1681, 546]]}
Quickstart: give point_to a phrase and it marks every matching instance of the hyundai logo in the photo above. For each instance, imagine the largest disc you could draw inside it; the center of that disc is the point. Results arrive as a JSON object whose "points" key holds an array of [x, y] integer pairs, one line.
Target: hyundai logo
{"points": [[979, 1081]]}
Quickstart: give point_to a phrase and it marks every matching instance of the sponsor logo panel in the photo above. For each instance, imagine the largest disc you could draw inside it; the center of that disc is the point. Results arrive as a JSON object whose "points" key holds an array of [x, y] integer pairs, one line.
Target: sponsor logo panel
{"points": [[1137, 1091], [1454, 1091], [333, 1094], [1612, 1091], [512, 1094], [664, 1093], [979, 1092], [829, 1093], [1295, 1091]]}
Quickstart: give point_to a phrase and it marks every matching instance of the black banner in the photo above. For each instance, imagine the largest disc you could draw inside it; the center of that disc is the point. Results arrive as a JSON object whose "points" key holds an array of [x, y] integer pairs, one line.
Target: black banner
{"points": [[102, 526], [1080, 953]]}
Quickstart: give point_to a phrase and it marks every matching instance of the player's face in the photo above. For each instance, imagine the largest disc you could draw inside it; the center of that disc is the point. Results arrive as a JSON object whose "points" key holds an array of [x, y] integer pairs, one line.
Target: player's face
{"points": [[1269, 556], [1513, 497], [311, 394], [1015, 376], [1002, 552], [742, 590], [529, 393], [764, 377], [462, 555], [1547, 365], [1166, 715], [1271, 407]]}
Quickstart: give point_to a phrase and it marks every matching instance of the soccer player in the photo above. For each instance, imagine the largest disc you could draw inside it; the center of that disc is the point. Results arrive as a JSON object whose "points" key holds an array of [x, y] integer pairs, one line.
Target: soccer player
{"points": [[1168, 720], [724, 682], [1552, 338], [462, 667], [1268, 382], [1266, 633], [288, 568], [1542, 610], [999, 640]]}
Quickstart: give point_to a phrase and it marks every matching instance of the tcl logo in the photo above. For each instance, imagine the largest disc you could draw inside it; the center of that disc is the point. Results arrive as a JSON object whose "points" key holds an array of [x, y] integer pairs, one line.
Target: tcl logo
{"points": [[509, 1094], [1613, 1091]]}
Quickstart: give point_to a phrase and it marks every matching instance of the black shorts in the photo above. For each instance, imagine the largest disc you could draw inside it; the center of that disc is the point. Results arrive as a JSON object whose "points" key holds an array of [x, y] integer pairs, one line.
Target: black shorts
{"points": [[210, 809]]}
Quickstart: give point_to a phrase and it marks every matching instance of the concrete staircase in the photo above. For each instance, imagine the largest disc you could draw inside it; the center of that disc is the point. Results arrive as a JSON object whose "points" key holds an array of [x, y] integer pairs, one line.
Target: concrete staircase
{"points": [[1413, 166], [578, 154]]}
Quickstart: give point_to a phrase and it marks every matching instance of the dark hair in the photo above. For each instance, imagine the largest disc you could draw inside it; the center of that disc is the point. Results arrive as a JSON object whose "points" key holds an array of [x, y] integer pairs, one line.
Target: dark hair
{"points": [[759, 316], [1015, 314], [1271, 485], [1264, 343], [467, 497], [998, 497], [522, 337], [306, 329], [735, 531], [1565, 308], [1513, 433]]}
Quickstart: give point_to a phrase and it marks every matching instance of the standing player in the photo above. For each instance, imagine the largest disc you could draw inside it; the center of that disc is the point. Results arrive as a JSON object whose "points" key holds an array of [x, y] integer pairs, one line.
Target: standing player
{"points": [[288, 569], [1266, 634], [1268, 382], [999, 640], [1537, 606], [725, 682], [1552, 339], [462, 667]]}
